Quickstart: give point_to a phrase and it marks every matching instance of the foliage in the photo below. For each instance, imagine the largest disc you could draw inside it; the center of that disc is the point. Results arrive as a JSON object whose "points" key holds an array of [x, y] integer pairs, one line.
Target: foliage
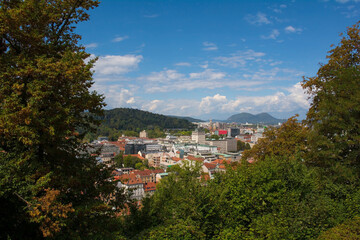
{"points": [[121, 119], [334, 115], [285, 141], [241, 146], [214, 136], [349, 230], [155, 133], [130, 161], [46, 179]]}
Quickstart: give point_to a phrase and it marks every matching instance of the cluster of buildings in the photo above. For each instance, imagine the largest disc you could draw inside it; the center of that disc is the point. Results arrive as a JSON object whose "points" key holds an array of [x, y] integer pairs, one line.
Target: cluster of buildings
{"points": [[211, 154]]}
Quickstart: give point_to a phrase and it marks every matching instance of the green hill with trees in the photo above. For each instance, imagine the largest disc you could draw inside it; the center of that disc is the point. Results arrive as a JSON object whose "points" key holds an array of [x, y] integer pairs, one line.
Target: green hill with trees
{"points": [[131, 121]]}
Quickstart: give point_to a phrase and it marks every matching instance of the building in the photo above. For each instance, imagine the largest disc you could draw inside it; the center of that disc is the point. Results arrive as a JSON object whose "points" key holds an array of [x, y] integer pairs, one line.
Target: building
{"points": [[233, 132], [198, 136], [134, 148], [224, 145], [143, 134]]}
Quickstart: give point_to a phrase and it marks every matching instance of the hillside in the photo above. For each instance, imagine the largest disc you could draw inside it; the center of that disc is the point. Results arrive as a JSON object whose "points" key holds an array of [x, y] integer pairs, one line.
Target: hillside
{"points": [[190, 119], [250, 118], [138, 120]]}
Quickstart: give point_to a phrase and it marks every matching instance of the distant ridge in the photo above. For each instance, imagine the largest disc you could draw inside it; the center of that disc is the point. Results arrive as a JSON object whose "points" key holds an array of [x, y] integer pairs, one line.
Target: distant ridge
{"points": [[190, 119], [264, 118]]}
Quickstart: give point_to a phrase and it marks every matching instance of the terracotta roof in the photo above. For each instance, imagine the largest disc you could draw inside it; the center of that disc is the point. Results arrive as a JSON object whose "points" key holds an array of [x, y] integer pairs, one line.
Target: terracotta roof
{"points": [[135, 155], [222, 166], [147, 172], [176, 159], [150, 186], [192, 158], [210, 165], [133, 181], [205, 177], [220, 161]]}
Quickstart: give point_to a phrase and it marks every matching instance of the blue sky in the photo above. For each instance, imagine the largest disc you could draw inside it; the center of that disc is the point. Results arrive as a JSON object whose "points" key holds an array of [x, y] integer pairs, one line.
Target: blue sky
{"points": [[212, 59]]}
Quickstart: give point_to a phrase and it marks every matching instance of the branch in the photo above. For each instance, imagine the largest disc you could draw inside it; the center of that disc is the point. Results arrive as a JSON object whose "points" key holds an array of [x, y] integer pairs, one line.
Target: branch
{"points": [[21, 198], [67, 19]]}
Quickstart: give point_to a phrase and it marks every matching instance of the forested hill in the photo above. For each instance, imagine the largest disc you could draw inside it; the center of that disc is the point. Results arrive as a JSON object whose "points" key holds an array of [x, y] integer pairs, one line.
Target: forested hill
{"points": [[190, 119], [138, 120]]}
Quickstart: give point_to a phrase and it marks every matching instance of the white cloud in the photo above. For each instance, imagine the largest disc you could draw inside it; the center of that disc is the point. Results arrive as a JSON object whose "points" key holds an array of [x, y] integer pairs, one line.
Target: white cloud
{"points": [[153, 105], [183, 64], [164, 76], [119, 39], [280, 8], [208, 74], [342, 1], [258, 19], [205, 65], [278, 102], [151, 16], [282, 101], [273, 35], [116, 95], [116, 64], [240, 58], [291, 29], [208, 46], [209, 104], [91, 45]]}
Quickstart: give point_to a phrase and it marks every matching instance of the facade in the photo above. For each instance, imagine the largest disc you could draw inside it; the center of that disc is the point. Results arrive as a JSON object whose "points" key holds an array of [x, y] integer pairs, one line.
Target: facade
{"points": [[224, 145], [198, 136], [233, 132], [134, 148], [143, 134]]}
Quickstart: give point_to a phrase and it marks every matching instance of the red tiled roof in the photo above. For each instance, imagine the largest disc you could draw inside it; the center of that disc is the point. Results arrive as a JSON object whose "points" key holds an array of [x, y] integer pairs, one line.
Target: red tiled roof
{"points": [[150, 186], [135, 155], [205, 177], [210, 165], [220, 161], [147, 172], [176, 159], [222, 166], [192, 158]]}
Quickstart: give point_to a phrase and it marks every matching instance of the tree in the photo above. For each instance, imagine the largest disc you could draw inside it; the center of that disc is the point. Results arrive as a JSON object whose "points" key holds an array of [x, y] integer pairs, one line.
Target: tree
{"points": [[44, 94], [334, 115], [286, 141], [241, 146], [119, 160]]}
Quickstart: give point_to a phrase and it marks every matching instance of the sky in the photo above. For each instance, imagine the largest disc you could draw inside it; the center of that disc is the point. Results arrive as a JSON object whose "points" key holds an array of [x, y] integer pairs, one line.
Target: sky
{"points": [[212, 59]]}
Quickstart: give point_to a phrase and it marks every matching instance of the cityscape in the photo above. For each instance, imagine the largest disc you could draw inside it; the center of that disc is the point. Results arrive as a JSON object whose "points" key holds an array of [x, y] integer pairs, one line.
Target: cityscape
{"points": [[132, 120]]}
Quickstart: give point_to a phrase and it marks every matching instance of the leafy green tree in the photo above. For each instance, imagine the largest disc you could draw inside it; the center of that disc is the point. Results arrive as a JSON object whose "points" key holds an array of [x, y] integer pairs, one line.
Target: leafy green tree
{"points": [[48, 185], [181, 207], [241, 146], [349, 230], [334, 115], [119, 160], [273, 199], [286, 141], [214, 136]]}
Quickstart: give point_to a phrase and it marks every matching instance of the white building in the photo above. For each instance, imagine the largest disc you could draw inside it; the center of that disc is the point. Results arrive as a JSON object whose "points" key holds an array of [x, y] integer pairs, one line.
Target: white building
{"points": [[198, 136]]}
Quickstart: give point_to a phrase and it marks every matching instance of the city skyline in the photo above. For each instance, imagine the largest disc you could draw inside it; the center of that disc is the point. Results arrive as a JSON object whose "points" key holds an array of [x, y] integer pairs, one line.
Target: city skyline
{"points": [[212, 59]]}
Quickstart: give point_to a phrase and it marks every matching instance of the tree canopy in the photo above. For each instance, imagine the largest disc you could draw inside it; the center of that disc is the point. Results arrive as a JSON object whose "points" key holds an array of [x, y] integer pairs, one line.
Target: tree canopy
{"points": [[49, 187]]}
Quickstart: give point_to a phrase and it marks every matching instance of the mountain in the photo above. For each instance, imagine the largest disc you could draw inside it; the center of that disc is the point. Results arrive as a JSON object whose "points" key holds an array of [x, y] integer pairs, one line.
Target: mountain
{"points": [[137, 120], [264, 118], [190, 119]]}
